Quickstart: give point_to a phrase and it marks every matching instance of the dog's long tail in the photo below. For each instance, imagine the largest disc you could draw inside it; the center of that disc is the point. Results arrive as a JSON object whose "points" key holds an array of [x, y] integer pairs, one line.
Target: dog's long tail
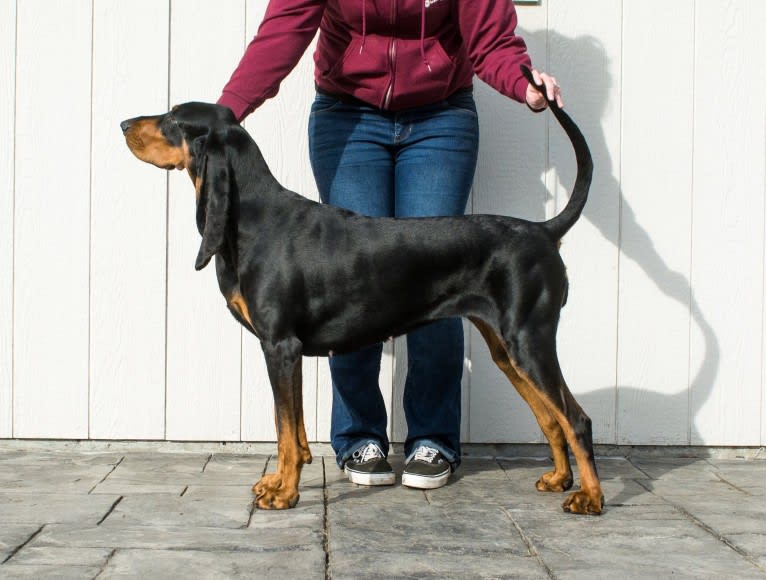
{"points": [[560, 224]]}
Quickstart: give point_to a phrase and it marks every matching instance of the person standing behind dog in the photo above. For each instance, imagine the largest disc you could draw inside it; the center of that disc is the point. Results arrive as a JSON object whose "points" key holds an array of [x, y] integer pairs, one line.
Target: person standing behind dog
{"points": [[393, 131]]}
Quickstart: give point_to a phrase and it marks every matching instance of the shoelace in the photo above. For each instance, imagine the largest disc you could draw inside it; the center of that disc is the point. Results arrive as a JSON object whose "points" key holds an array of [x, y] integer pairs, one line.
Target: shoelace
{"points": [[424, 453], [366, 453]]}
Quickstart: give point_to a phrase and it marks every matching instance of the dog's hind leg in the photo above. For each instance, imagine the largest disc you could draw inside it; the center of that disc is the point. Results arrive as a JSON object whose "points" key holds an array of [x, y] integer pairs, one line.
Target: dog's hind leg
{"points": [[537, 376], [533, 356], [279, 490], [560, 479]]}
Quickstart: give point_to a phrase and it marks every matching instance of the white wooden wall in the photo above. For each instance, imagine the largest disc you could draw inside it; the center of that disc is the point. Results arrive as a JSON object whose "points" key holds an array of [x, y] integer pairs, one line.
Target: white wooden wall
{"points": [[107, 332]]}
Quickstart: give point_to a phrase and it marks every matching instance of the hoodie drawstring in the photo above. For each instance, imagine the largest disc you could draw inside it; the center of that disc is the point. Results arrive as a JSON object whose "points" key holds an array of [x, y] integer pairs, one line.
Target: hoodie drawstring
{"points": [[364, 25], [423, 34]]}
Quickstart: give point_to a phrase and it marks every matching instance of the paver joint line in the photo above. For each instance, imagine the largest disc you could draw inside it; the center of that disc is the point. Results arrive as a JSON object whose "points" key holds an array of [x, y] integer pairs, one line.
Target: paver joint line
{"points": [[111, 509], [252, 503], [632, 463], [708, 529], [21, 546], [718, 536], [111, 471], [106, 564], [529, 544], [730, 484], [325, 526]]}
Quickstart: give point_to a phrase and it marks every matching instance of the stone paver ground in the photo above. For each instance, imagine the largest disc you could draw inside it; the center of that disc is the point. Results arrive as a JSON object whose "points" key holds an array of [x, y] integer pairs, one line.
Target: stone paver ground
{"points": [[68, 511]]}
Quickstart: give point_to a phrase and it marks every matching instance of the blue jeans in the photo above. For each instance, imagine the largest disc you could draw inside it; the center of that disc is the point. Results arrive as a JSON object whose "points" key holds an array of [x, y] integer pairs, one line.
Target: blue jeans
{"points": [[412, 163]]}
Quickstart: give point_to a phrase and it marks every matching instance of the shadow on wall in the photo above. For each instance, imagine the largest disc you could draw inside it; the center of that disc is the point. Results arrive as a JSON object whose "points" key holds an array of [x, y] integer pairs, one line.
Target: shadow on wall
{"points": [[587, 65]]}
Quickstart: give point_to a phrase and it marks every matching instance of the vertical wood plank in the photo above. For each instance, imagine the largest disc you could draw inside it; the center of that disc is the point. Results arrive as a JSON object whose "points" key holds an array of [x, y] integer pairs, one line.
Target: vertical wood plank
{"points": [[52, 219], [654, 291], [394, 364], [128, 220], [324, 401], [280, 127], [585, 57], [7, 111], [509, 181], [728, 223], [204, 341]]}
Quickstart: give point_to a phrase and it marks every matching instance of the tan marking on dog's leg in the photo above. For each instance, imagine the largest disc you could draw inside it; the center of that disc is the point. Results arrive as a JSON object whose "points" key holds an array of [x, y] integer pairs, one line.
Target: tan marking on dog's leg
{"points": [[560, 479], [302, 439], [590, 498], [279, 490]]}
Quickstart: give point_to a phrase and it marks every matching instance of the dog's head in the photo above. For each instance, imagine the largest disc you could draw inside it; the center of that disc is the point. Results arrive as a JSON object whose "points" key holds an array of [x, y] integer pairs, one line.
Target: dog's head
{"points": [[195, 137]]}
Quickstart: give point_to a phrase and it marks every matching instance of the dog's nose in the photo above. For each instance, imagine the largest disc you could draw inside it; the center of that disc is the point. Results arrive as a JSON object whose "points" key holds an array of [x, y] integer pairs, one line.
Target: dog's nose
{"points": [[125, 125]]}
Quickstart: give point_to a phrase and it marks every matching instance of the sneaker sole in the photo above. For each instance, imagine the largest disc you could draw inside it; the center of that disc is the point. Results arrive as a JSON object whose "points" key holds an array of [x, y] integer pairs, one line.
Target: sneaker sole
{"points": [[370, 478], [423, 481]]}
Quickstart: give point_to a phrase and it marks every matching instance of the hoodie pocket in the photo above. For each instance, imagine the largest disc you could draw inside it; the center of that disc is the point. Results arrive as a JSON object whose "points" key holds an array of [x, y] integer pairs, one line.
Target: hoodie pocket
{"points": [[363, 64], [424, 73]]}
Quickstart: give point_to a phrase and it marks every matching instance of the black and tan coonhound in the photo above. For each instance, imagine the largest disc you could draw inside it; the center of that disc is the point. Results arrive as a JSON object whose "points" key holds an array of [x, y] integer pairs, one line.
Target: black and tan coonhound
{"points": [[311, 279]]}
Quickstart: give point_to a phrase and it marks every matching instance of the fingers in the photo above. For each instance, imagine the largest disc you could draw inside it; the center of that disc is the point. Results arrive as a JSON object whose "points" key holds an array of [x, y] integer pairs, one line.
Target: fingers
{"points": [[552, 88]]}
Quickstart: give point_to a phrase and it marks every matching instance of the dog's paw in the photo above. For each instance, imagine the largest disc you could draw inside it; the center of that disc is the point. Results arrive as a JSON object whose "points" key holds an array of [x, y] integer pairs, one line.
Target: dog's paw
{"points": [[584, 502], [271, 494], [553, 481], [268, 481]]}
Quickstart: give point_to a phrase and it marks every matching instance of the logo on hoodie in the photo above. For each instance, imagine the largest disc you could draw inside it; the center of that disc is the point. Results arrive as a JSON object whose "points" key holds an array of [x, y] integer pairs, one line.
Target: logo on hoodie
{"points": [[430, 3]]}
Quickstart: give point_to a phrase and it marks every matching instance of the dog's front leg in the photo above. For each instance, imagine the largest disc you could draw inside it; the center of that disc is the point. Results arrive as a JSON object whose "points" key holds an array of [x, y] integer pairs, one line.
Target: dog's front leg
{"points": [[279, 490]]}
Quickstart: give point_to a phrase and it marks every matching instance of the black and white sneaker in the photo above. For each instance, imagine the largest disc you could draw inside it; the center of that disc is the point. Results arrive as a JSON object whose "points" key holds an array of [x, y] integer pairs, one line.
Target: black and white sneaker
{"points": [[428, 469], [368, 466]]}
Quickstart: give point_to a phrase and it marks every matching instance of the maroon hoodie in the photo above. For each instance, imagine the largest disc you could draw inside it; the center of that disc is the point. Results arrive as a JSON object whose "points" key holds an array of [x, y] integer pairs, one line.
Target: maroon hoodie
{"points": [[392, 54]]}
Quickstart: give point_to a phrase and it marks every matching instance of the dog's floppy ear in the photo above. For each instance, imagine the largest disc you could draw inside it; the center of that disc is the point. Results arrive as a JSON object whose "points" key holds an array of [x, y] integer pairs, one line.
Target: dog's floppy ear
{"points": [[213, 200]]}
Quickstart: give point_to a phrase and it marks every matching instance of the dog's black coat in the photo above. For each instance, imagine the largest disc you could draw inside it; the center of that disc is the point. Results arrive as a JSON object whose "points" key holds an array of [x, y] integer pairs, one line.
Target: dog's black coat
{"points": [[312, 279]]}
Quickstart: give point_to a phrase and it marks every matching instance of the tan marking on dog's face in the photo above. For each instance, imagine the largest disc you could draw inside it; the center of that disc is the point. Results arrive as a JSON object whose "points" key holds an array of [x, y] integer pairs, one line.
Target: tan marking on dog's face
{"points": [[146, 141]]}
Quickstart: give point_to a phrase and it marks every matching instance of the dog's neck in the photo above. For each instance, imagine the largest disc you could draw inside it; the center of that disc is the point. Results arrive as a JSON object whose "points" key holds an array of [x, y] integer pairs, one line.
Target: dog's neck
{"points": [[256, 184], [256, 199]]}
